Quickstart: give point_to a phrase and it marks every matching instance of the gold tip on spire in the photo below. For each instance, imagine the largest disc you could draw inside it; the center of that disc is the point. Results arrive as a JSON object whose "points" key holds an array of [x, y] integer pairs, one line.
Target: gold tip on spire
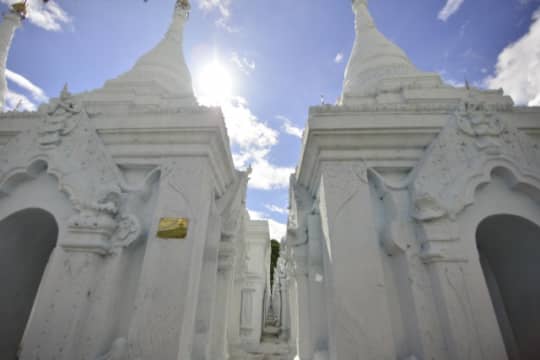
{"points": [[19, 8], [183, 4]]}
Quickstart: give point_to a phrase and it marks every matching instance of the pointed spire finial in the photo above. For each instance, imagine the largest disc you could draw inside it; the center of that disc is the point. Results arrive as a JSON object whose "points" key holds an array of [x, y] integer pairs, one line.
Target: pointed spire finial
{"points": [[19, 8], [183, 4], [376, 63], [162, 69], [65, 94]]}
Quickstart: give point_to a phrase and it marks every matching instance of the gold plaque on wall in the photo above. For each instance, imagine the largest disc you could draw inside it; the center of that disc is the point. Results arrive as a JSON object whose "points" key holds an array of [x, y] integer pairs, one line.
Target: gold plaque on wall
{"points": [[172, 228]]}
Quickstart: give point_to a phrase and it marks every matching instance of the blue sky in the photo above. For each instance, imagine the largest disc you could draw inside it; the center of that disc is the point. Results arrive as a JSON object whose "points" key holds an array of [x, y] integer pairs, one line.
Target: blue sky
{"points": [[282, 55]]}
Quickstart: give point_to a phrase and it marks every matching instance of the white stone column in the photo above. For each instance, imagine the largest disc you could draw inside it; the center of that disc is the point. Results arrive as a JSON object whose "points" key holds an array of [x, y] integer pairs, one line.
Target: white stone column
{"points": [[317, 281], [208, 292], [61, 308], [165, 304], [8, 26], [285, 312], [304, 338], [460, 293], [71, 316], [226, 262], [276, 298], [255, 282], [358, 305]]}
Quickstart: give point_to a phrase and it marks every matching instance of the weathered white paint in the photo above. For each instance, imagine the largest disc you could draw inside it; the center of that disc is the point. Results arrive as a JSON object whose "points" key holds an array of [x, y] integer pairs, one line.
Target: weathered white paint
{"points": [[397, 177], [107, 165]]}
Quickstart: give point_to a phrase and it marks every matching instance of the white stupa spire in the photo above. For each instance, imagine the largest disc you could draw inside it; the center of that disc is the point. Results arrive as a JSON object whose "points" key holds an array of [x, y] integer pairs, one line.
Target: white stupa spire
{"points": [[375, 59], [162, 69], [12, 20]]}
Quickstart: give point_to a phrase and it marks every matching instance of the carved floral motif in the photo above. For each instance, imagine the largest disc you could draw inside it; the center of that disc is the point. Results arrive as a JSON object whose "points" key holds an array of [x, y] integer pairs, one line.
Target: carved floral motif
{"points": [[475, 141], [475, 119], [66, 145], [60, 118]]}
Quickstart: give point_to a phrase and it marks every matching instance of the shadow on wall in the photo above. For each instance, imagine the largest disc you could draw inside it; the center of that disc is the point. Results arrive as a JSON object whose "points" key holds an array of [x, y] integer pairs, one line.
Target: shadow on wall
{"points": [[27, 238], [509, 248]]}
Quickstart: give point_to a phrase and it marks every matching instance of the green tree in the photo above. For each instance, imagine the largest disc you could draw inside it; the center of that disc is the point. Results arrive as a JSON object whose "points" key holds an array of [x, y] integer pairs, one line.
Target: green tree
{"points": [[274, 255]]}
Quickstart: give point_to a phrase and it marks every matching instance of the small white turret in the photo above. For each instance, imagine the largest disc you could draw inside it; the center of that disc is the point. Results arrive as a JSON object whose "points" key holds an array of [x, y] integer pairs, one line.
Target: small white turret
{"points": [[376, 64], [162, 72], [12, 20]]}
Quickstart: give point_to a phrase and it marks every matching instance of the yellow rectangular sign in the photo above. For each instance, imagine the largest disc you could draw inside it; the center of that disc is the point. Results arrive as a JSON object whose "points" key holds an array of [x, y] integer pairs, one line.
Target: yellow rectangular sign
{"points": [[172, 228]]}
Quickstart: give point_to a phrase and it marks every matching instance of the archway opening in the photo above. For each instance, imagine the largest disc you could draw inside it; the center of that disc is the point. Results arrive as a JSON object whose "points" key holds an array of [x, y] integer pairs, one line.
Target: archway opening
{"points": [[27, 239], [509, 249]]}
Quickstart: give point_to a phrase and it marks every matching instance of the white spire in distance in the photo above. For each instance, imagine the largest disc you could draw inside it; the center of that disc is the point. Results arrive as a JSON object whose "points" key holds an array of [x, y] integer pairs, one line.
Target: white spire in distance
{"points": [[374, 59], [164, 65], [12, 20]]}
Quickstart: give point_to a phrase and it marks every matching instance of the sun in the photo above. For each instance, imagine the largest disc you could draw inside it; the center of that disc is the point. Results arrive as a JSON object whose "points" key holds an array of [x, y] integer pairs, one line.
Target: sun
{"points": [[213, 84]]}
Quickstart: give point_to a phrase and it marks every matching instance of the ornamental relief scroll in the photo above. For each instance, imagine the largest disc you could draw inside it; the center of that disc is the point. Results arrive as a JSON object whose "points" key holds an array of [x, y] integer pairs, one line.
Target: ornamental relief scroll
{"points": [[476, 140]]}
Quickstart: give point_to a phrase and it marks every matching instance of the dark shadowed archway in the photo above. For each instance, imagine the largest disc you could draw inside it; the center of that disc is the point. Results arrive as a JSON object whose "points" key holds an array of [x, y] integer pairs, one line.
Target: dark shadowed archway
{"points": [[27, 239], [509, 248]]}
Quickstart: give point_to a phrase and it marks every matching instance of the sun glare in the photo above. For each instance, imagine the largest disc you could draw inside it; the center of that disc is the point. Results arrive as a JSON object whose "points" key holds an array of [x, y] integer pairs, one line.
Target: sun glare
{"points": [[214, 84]]}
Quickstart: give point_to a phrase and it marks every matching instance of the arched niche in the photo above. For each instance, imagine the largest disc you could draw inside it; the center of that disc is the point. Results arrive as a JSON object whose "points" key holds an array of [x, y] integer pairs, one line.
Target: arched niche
{"points": [[27, 238], [509, 249], [465, 307]]}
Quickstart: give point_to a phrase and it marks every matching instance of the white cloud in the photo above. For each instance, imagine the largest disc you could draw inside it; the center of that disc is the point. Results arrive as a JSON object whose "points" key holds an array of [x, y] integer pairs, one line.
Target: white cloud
{"points": [[518, 67], [224, 9], [339, 58], [277, 229], [451, 7], [244, 128], [254, 139], [17, 102], [243, 64], [266, 176], [49, 16], [224, 24], [289, 128], [223, 6], [276, 209], [256, 215], [37, 93]]}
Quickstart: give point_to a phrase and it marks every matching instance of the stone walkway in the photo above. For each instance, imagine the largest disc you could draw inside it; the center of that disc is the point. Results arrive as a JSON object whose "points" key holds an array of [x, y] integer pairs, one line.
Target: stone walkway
{"points": [[271, 348]]}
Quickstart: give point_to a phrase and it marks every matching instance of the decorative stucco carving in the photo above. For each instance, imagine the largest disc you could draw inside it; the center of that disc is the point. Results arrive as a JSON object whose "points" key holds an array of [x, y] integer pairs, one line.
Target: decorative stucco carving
{"points": [[399, 107], [128, 230], [301, 203], [343, 181], [180, 177], [438, 238], [392, 237], [226, 257], [60, 120], [232, 204], [64, 143], [475, 141], [480, 122]]}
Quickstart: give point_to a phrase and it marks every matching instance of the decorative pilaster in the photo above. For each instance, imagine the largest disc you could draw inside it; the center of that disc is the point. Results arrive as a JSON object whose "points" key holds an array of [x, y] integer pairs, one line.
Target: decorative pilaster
{"points": [[166, 300], [285, 307], [317, 284], [226, 263], [208, 286], [301, 274], [443, 253], [349, 232]]}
